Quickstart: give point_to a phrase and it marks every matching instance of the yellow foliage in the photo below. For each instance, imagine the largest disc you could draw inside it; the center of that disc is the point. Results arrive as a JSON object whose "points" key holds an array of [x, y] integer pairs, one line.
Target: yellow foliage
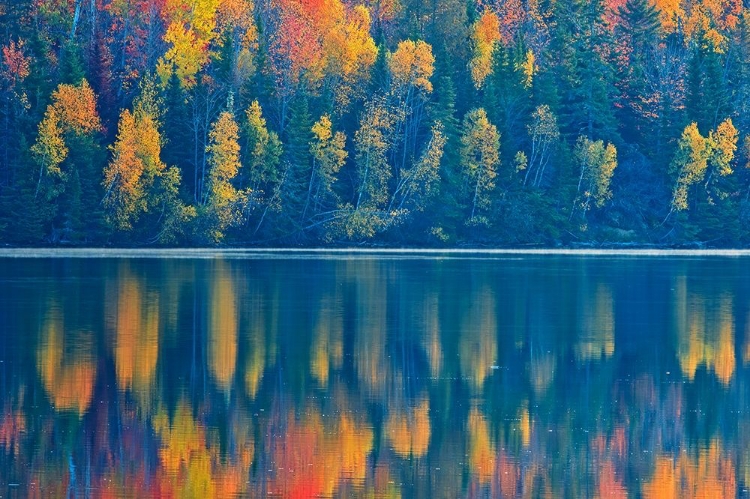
{"points": [[527, 69], [412, 65], [348, 49], [75, 106], [135, 164], [225, 202], [695, 154], [480, 157], [723, 144], [73, 110]]}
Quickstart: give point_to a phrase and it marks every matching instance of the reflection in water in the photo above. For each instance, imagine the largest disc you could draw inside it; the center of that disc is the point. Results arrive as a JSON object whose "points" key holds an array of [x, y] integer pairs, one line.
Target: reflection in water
{"points": [[66, 367], [222, 329], [596, 337], [136, 337], [556, 377]]}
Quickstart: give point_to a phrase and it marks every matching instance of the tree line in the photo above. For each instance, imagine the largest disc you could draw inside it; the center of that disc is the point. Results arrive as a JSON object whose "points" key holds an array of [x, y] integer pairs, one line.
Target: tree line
{"points": [[398, 122]]}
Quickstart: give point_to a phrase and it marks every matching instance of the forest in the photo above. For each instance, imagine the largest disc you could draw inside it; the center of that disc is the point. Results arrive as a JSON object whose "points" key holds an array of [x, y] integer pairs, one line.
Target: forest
{"points": [[421, 123]]}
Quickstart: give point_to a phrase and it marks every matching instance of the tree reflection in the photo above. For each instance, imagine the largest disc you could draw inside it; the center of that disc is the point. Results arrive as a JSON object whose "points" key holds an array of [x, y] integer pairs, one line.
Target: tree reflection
{"points": [[66, 363], [369, 378]]}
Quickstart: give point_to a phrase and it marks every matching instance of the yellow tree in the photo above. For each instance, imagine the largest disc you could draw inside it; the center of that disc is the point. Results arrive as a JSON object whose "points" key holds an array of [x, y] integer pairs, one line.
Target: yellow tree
{"points": [[597, 163], [72, 111], [696, 155], [224, 203], [544, 134], [480, 157], [411, 66], [349, 51], [329, 155], [191, 27], [417, 184], [373, 140], [136, 180]]}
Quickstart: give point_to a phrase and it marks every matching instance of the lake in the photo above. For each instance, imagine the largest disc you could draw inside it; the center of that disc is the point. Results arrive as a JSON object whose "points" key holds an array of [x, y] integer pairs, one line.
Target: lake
{"points": [[375, 375]]}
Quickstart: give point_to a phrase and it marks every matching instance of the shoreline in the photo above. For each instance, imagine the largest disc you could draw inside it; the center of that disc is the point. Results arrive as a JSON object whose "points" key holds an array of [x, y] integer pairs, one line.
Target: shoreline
{"points": [[320, 253]]}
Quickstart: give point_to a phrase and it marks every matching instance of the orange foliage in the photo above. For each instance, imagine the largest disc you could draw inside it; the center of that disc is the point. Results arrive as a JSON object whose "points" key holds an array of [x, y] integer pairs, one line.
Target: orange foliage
{"points": [[16, 65], [485, 36], [76, 108]]}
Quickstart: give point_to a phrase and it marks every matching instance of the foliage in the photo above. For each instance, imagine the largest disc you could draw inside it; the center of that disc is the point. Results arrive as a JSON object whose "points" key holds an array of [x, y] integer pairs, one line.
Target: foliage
{"points": [[96, 150]]}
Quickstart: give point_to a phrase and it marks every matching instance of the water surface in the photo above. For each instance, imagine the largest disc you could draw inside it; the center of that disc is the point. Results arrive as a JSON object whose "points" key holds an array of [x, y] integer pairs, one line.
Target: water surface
{"points": [[390, 375]]}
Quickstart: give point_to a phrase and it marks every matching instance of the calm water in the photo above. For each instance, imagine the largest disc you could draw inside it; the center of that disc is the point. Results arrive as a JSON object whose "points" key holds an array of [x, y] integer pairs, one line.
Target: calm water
{"points": [[556, 376]]}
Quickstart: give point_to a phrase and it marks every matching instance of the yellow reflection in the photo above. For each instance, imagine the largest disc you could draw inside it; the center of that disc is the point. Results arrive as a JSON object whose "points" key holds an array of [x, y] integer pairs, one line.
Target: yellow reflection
{"points": [[68, 375], [705, 335], [261, 348], [524, 425], [136, 337], [222, 342], [597, 336], [431, 320], [478, 343], [542, 372], [409, 431], [710, 475], [327, 349], [371, 361]]}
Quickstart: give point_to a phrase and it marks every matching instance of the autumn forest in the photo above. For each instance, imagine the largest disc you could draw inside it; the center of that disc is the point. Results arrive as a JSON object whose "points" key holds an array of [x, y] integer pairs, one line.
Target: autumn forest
{"points": [[381, 122]]}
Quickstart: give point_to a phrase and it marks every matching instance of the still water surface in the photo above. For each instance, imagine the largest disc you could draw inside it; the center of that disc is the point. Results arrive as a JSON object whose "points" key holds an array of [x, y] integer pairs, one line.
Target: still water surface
{"points": [[381, 376]]}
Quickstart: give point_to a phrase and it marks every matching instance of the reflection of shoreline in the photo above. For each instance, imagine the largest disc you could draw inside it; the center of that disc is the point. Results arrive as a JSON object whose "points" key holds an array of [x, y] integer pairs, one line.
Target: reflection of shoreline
{"points": [[336, 253]]}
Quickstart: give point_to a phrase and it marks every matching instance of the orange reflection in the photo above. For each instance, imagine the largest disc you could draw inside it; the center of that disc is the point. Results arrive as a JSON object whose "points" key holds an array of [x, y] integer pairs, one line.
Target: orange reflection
{"points": [[610, 485], [137, 337], [709, 475], [313, 457], [409, 431], [68, 377], [481, 451]]}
